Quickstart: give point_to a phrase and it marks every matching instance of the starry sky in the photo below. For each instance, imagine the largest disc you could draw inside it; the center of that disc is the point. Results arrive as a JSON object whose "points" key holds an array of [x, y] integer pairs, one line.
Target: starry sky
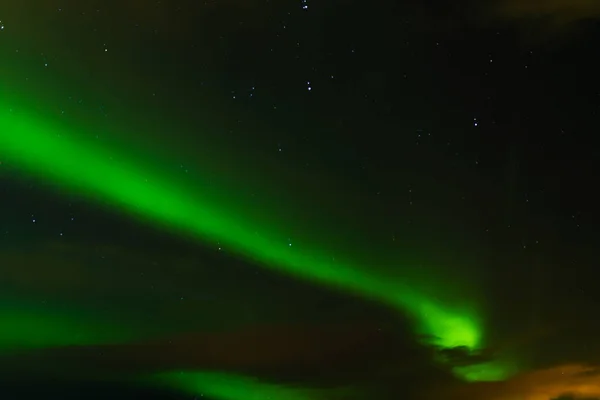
{"points": [[299, 199]]}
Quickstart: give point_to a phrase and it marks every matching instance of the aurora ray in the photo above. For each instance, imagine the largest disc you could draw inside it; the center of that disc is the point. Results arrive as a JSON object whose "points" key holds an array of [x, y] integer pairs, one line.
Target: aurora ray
{"points": [[224, 386], [51, 153]]}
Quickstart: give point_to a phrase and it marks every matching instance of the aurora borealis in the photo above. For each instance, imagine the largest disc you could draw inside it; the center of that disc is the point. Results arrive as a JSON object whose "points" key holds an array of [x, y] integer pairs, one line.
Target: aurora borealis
{"points": [[314, 225], [48, 152]]}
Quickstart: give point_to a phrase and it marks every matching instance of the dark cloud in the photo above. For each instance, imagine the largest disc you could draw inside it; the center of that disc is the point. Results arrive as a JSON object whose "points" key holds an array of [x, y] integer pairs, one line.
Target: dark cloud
{"points": [[462, 356], [536, 21], [364, 358], [287, 352], [364, 361], [26, 389], [556, 12], [167, 286], [567, 397], [545, 21]]}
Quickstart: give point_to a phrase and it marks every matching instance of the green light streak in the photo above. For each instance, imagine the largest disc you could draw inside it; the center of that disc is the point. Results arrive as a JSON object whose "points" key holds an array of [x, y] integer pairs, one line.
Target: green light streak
{"points": [[49, 153], [230, 387]]}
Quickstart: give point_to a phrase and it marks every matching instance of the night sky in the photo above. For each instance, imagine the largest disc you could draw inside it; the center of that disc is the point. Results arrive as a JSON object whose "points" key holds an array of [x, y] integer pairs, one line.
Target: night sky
{"points": [[299, 199]]}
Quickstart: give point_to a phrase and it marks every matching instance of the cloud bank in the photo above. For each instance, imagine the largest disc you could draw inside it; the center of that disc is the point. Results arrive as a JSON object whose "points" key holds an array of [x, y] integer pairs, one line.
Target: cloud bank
{"points": [[569, 381], [558, 12]]}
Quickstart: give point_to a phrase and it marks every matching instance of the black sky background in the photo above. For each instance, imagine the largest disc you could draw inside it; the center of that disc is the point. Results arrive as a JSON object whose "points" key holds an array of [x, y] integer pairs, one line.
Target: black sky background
{"points": [[468, 135]]}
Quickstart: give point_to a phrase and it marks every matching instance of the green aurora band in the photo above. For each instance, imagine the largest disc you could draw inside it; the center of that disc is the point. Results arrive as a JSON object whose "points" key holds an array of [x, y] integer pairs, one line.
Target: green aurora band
{"points": [[50, 152], [224, 386]]}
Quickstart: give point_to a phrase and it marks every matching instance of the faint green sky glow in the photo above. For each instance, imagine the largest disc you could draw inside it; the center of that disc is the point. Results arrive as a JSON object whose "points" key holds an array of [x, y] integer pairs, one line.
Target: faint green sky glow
{"points": [[39, 328]]}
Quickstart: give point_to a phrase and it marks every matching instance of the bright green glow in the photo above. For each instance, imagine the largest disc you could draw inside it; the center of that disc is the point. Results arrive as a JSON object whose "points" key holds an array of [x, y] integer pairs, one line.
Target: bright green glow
{"points": [[452, 328], [52, 154], [230, 387]]}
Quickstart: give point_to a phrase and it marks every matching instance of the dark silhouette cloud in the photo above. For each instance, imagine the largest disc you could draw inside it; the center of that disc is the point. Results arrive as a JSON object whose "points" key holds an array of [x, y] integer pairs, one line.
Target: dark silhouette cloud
{"points": [[556, 12]]}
